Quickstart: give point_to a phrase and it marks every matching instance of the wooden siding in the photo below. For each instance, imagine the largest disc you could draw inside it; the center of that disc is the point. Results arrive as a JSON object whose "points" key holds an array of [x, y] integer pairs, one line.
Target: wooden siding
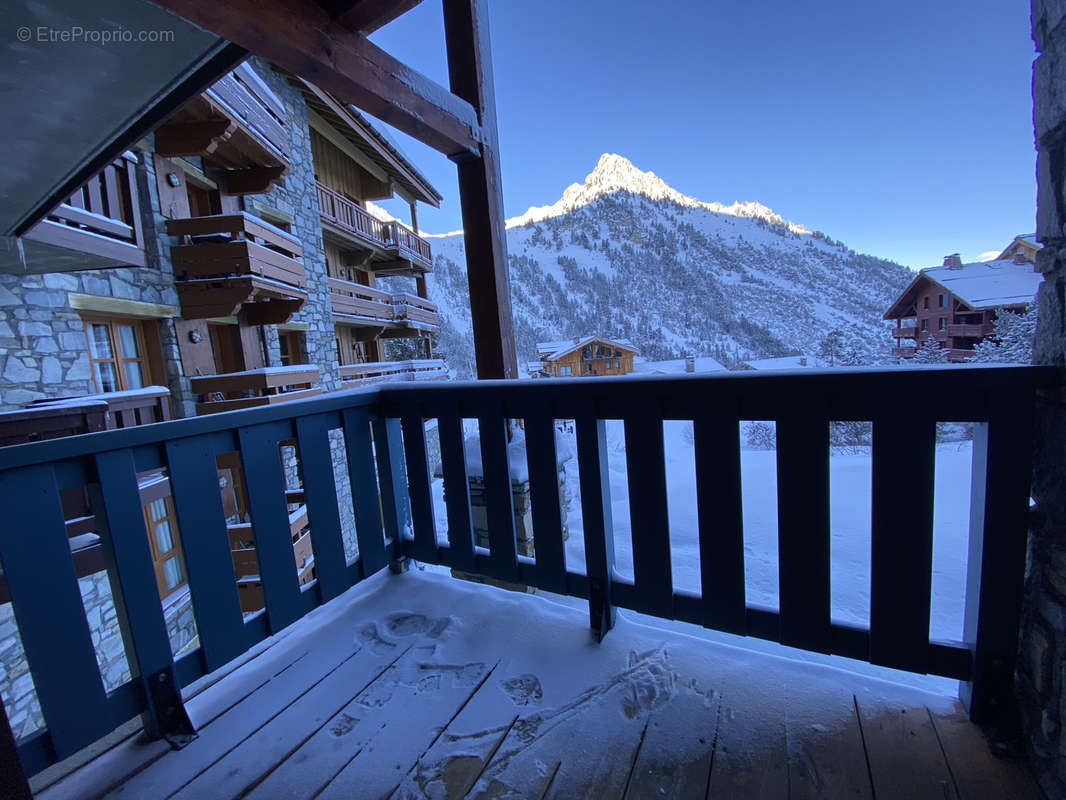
{"points": [[336, 170]]}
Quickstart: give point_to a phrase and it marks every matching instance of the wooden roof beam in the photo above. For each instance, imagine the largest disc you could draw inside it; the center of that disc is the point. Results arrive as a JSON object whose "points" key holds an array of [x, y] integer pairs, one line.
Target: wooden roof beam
{"points": [[366, 16], [300, 36]]}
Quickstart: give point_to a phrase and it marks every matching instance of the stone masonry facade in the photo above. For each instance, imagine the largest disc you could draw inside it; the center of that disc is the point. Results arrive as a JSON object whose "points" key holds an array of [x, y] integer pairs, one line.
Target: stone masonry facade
{"points": [[44, 354], [1041, 674]]}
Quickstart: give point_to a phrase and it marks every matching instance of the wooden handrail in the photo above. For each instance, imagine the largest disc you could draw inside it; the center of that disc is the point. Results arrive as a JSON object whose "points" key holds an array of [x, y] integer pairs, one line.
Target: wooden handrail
{"points": [[350, 216], [384, 436]]}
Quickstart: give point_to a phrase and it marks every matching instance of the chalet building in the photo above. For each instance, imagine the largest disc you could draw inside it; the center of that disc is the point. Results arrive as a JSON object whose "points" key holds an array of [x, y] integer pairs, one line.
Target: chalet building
{"points": [[234, 265], [957, 303], [222, 605], [583, 356]]}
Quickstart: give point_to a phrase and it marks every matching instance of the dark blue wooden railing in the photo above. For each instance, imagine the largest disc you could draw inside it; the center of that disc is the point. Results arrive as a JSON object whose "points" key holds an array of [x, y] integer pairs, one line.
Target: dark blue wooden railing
{"points": [[383, 430]]}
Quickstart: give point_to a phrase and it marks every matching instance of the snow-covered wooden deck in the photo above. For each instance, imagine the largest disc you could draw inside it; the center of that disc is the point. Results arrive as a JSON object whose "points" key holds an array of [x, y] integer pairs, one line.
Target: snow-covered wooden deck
{"points": [[424, 686]]}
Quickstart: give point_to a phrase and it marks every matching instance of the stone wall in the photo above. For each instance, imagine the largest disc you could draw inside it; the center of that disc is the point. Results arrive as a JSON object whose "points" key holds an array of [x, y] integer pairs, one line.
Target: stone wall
{"points": [[296, 195], [1041, 675], [16, 683]]}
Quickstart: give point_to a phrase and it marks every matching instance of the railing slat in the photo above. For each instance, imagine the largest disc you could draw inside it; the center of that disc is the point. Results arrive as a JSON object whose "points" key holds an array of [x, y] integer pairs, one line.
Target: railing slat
{"points": [[544, 501], [721, 522], [646, 472], [120, 524], [265, 485], [363, 479], [48, 609], [392, 478], [901, 540], [205, 541], [320, 492], [456, 491], [499, 504], [1002, 470], [596, 519], [424, 547], [803, 532]]}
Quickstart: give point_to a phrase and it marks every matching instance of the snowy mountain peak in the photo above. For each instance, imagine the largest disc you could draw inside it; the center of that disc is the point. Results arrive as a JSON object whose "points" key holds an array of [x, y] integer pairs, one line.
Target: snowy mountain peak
{"points": [[615, 173]]}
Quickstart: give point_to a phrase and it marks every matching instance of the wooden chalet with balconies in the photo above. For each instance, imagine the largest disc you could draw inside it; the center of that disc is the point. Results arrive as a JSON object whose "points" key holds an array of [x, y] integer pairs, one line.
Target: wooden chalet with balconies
{"points": [[956, 304], [583, 356], [319, 665]]}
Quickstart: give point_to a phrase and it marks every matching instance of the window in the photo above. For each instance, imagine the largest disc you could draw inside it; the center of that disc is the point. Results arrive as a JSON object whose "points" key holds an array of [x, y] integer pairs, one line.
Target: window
{"points": [[616, 365], [165, 544], [291, 352], [565, 371], [942, 301], [925, 324], [942, 323], [117, 354], [925, 302]]}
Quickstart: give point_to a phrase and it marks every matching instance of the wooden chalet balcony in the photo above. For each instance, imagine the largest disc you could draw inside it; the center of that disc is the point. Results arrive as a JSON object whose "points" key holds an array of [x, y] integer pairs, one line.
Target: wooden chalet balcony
{"points": [[389, 238], [228, 261], [355, 303], [241, 124], [958, 354], [416, 309], [356, 300], [424, 369], [101, 219], [417, 685], [904, 352], [906, 332], [255, 387], [983, 329]]}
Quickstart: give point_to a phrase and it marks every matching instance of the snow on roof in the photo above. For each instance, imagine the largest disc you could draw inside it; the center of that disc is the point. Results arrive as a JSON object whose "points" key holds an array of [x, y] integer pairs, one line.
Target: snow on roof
{"points": [[989, 284], [784, 362], [676, 366], [554, 350], [1030, 238]]}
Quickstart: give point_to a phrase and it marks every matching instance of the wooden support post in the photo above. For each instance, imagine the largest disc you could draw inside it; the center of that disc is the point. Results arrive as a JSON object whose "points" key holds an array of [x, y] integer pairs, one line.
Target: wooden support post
{"points": [[466, 31], [13, 783], [999, 509], [251, 353], [414, 217]]}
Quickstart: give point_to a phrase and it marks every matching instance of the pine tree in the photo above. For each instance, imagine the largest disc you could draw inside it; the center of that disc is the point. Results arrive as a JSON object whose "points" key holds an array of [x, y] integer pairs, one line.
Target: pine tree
{"points": [[1012, 338], [930, 352]]}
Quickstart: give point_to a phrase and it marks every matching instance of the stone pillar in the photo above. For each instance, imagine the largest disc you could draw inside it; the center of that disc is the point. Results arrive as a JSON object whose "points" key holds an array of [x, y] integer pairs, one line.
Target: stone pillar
{"points": [[1041, 674]]}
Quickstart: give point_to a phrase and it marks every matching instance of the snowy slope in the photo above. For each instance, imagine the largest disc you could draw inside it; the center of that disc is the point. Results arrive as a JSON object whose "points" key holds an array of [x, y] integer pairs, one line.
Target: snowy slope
{"points": [[622, 254]]}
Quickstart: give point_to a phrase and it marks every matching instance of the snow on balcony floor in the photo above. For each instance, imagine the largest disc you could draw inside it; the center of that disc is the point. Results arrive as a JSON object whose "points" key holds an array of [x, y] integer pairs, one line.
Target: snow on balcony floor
{"points": [[424, 686]]}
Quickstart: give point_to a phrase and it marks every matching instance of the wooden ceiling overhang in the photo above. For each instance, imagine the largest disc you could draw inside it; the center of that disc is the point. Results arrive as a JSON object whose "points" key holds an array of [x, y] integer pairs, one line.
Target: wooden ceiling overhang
{"points": [[325, 42]]}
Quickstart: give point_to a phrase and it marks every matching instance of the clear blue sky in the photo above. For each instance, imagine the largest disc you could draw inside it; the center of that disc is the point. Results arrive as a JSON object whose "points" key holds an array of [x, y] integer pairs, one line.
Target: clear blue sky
{"points": [[903, 129]]}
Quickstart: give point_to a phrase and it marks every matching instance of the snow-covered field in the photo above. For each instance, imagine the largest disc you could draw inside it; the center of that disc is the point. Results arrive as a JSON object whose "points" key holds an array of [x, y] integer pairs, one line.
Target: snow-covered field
{"points": [[849, 521]]}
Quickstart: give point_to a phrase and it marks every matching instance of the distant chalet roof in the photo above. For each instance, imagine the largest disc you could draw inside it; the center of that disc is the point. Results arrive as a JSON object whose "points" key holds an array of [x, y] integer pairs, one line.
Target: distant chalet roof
{"points": [[676, 366], [550, 351], [980, 285], [784, 362]]}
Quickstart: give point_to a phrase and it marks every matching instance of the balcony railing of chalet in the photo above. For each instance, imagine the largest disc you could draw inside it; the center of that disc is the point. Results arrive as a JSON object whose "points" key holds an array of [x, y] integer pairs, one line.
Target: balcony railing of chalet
{"points": [[101, 218], [416, 309], [904, 351], [383, 431], [418, 369], [352, 218], [357, 300], [255, 387], [905, 332], [961, 329], [236, 244]]}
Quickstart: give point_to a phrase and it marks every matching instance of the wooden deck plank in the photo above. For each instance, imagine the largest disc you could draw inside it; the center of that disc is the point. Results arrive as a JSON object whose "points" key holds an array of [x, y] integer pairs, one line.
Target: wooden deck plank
{"points": [[903, 752], [221, 739], [256, 757], [977, 773], [643, 713], [750, 754], [826, 758], [431, 690], [677, 750]]}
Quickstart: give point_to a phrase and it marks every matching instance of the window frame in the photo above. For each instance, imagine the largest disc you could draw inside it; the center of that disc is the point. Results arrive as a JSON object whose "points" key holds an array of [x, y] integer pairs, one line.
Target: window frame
{"points": [[118, 358], [159, 559], [942, 300]]}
